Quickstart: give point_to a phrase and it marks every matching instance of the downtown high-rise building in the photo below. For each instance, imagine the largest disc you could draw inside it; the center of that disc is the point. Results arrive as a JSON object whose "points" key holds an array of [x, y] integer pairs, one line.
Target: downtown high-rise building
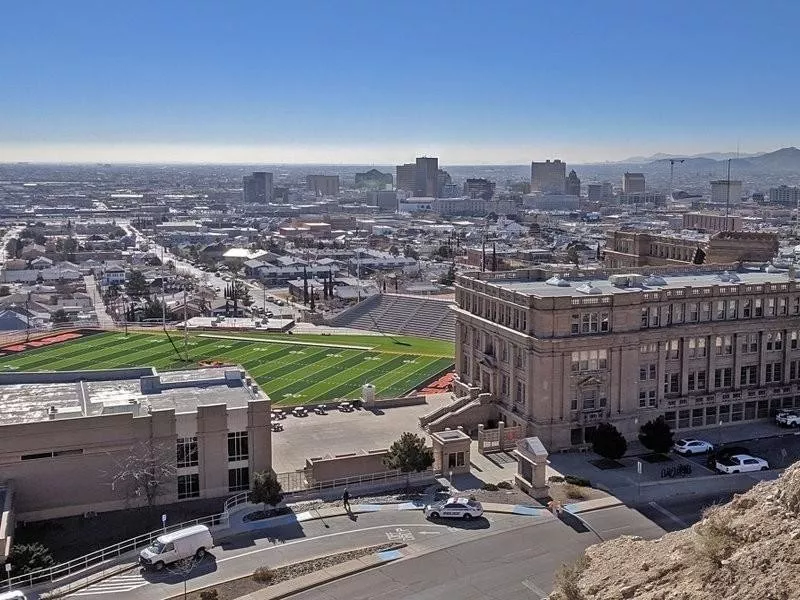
{"points": [[405, 177], [633, 183], [257, 188], [426, 177], [548, 177], [573, 184]]}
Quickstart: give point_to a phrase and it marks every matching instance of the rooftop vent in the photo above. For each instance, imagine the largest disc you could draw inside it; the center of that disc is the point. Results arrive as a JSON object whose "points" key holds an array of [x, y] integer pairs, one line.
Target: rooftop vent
{"points": [[588, 288], [655, 280], [557, 281], [729, 277]]}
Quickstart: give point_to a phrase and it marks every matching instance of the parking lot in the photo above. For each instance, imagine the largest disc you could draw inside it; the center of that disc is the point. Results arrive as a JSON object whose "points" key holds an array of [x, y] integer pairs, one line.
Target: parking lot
{"points": [[779, 452]]}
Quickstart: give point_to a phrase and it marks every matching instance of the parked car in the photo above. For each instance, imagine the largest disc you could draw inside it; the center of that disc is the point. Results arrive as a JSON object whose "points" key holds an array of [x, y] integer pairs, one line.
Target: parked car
{"points": [[741, 463], [788, 418], [456, 508], [277, 427], [300, 411], [691, 446], [171, 547]]}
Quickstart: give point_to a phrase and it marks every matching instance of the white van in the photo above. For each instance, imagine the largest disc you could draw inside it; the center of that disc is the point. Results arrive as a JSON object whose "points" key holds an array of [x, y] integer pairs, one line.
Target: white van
{"points": [[13, 595], [171, 547]]}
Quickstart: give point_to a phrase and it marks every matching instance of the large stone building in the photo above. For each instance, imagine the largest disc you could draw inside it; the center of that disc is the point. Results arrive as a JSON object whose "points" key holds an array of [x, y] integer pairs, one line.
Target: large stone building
{"points": [[725, 191], [639, 249], [72, 442], [633, 183], [257, 188], [711, 222], [560, 356], [323, 185]]}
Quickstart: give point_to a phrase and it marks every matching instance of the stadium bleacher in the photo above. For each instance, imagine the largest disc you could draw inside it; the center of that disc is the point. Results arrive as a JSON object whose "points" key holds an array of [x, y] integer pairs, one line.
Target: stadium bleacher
{"points": [[401, 315]]}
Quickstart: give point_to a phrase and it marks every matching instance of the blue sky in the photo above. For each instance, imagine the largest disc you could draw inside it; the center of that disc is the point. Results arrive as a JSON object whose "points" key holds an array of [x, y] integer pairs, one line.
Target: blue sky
{"points": [[384, 81]]}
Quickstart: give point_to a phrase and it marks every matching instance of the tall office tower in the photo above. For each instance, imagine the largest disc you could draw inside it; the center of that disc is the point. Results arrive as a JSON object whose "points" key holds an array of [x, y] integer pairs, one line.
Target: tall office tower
{"points": [[405, 177], [426, 177], [719, 191], [479, 188], [548, 177], [323, 185], [257, 188], [442, 179], [573, 184], [633, 183]]}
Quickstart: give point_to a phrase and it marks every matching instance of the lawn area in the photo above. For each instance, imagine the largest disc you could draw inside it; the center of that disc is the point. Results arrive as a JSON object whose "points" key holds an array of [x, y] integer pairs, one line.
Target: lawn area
{"points": [[292, 369]]}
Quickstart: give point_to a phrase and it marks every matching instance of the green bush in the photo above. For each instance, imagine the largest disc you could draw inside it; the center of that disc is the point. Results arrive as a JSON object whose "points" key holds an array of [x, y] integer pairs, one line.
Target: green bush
{"points": [[574, 492], [26, 558], [505, 485], [555, 479], [264, 575], [489, 487], [209, 595], [579, 481], [608, 442]]}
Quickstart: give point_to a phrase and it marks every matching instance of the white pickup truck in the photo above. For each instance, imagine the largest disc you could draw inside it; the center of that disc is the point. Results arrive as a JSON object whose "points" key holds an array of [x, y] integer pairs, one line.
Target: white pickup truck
{"points": [[788, 418]]}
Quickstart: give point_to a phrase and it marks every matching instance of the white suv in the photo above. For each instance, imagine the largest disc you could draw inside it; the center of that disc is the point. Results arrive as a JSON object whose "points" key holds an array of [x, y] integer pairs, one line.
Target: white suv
{"points": [[456, 508], [788, 418]]}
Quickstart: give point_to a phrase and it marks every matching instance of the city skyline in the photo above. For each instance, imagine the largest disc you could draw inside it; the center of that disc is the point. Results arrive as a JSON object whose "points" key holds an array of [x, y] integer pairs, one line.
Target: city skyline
{"points": [[345, 85]]}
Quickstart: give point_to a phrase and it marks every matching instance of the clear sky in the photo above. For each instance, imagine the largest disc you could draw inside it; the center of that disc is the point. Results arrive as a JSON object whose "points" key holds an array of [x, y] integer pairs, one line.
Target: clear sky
{"points": [[381, 81]]}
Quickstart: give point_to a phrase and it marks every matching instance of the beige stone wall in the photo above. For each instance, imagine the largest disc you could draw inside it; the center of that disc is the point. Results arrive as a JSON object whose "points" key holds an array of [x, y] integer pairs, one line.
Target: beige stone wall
{"points": [[345, 465]]}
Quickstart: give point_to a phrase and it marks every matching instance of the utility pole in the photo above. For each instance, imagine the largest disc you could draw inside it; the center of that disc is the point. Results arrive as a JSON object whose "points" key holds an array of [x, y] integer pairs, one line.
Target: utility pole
{"points": [[185, 326]]}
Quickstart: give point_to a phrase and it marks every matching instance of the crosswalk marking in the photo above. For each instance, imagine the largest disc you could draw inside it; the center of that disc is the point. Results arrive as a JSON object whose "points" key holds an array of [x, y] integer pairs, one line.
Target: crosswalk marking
{"points": [[124, 582]]}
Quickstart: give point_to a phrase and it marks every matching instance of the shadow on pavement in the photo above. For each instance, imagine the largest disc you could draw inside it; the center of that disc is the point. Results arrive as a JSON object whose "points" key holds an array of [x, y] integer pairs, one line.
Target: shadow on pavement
{"points": [[572, 521], [178, 572], [467, 524]]}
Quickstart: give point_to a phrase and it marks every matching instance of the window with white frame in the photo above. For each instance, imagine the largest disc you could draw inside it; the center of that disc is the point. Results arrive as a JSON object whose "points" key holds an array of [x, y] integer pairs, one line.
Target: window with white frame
{"points": [[239, 479], [697, 347], [774, 341], [723, 345], [749, 343], [589, 360], [188, 486]]}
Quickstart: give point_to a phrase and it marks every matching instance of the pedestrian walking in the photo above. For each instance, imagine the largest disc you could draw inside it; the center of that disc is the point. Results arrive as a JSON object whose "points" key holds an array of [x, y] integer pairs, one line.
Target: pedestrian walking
{"points": [[346, 499]]}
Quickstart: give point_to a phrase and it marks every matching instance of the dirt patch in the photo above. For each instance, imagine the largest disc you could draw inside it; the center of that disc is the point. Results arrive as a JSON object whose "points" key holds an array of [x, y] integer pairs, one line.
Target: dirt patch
{"points": [[247, 585], [742, 550]]}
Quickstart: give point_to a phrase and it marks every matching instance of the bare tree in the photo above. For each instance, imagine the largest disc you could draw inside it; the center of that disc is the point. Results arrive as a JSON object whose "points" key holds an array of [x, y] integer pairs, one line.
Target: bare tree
{"points": [[145, 473]]}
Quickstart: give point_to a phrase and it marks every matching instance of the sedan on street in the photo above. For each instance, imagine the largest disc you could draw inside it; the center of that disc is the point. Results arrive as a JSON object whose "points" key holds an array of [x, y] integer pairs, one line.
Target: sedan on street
{"points": [[455, 508]]}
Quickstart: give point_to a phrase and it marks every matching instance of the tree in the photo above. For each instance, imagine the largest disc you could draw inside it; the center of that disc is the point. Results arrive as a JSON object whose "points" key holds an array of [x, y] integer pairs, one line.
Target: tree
{"points": [[112, 292], [27, 558], [266, 489], [656, 435], [13, 248], [573, 256], [146, 471], [608, 442], [394, 251], [154, 309], [448, 278], [312, 306], [409, 455], [136, 285], [60, 316], [5, 290], [409, 252]]}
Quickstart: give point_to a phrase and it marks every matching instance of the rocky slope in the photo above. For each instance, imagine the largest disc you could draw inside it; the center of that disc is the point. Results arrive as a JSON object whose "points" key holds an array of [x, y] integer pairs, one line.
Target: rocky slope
{"points": [[748, 549]]}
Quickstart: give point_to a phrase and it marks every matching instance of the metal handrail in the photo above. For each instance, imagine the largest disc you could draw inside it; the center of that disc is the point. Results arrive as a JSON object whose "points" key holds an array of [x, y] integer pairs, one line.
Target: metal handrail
{"points": [[115, 551]]}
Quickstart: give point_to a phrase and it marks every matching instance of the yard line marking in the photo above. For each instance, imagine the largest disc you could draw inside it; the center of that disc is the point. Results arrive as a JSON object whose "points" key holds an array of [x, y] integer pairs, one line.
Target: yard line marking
{"points": [[263, 341], [669, 515]]}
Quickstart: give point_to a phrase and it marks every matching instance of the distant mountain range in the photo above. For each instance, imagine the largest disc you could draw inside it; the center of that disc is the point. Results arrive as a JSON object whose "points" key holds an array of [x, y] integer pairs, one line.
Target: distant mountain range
{"points": [[711, 155], [785, 159]]}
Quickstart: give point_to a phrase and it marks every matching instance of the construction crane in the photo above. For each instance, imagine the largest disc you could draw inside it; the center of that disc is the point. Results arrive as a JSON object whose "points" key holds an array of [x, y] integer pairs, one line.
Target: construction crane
{"points": [[672, 162]]}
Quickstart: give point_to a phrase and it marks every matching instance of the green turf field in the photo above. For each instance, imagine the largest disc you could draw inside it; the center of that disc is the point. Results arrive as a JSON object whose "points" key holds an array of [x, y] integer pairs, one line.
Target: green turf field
{"points": [[292, 369]]}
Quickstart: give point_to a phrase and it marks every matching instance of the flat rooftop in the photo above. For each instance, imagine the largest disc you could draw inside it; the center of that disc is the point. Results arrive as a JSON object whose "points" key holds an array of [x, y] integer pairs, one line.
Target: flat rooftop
{"points": [[603, 287], [110, 392]]}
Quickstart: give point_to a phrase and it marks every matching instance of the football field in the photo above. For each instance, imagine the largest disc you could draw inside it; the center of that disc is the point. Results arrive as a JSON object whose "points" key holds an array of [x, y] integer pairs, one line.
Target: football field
{"points": [[292, 369]]}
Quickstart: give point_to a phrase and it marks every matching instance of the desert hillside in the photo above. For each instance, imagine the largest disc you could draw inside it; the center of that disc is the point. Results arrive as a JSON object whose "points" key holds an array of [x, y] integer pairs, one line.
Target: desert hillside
{"points": [[748, 549]]}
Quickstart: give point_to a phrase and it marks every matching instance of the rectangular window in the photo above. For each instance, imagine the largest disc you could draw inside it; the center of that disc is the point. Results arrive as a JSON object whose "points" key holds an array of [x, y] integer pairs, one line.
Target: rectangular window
{"points": [[793, 340], [519, 394], [187, 452], [589, 360], [747, 308], [732, 309], [771, 307], [673, 349], [239, 479], [672, 383], [645, 317], [793, 370], [749, 375], [774, 341], [188, 486], [701, 380], [720, 312], [750, 343], [723, 377], [759, 308], [705, 311], [504, 351], [693, 312], [237, 446], [678, 314], [575, 326], [723, 345], [773, 373], [783, 306], [796, 305]]}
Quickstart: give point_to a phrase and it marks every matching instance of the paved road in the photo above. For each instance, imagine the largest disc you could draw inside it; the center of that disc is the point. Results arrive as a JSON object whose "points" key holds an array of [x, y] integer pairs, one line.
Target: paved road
{"points": [[241, 555], [518, 564], [673, 514], [103, 318]]}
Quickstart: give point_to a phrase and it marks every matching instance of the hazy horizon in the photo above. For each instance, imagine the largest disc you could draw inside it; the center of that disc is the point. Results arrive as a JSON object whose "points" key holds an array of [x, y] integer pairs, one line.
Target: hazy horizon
{"points": [[360, 82]]}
